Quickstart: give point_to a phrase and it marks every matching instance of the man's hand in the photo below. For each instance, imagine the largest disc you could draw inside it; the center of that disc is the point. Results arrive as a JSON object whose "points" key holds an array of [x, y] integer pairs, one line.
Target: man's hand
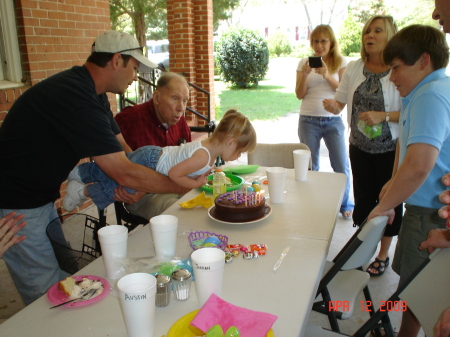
{"points": [[444, 197], [437, 238], [122, 195]]}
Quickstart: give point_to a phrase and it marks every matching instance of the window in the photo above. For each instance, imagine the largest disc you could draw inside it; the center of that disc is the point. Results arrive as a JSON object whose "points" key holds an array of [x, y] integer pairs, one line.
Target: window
{"points": [[10, 66]]}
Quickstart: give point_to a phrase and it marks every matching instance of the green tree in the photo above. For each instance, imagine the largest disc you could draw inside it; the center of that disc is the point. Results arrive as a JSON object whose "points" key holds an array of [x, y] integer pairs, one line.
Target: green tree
{"points": [[350, 36], [363, 10], [147, 19], [279, 44], [222, 10], [419, 12], [243, 56]]}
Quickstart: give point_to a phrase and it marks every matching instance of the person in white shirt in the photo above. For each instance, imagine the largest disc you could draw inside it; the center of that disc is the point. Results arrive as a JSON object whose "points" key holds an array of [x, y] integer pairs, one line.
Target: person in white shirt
{"points": [[373, 110], [312, 87]]}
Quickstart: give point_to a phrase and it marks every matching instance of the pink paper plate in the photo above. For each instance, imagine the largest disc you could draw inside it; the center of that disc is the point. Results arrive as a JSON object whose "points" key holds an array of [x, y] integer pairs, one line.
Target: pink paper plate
{"points": [[56, 296]]}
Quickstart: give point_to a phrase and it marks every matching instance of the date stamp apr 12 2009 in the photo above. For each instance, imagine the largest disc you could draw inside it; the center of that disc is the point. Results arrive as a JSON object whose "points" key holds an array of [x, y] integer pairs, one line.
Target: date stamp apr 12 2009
{"points": [[367, 306]]}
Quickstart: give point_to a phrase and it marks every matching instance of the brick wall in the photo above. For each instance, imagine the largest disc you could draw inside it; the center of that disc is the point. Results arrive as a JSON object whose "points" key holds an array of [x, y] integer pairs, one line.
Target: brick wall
{"points": [[54, 35], [191, 49]]}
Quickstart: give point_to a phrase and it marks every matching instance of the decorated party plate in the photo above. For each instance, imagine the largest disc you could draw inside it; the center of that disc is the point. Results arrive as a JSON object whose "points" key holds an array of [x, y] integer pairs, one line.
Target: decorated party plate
{"points": [[56, 296], [182, 327], [212, 215], [233, 183]]}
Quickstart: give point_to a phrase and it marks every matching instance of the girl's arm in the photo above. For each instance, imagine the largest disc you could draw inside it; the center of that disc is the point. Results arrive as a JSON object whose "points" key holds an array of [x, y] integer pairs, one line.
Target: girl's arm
{"points": [[327, 76], [179, 173], [301, 86]]}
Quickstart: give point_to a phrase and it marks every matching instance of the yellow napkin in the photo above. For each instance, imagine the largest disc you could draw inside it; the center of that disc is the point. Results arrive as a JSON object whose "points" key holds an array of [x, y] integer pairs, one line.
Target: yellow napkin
{"points": [[200, 200]]}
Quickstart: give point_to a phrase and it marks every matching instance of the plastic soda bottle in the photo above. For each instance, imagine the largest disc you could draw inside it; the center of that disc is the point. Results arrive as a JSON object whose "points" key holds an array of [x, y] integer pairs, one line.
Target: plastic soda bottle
{"points": [[219, 182]]}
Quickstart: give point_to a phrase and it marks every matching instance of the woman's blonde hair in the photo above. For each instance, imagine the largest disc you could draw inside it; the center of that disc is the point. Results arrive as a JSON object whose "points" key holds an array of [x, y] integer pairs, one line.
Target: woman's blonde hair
{"points": [[391, 29], [236, 125], [334, 55]]}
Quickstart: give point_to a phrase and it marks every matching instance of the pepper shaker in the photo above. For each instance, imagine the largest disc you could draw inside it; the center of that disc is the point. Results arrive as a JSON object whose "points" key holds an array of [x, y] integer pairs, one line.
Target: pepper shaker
{"points": [[181, 280], [162, 290]]}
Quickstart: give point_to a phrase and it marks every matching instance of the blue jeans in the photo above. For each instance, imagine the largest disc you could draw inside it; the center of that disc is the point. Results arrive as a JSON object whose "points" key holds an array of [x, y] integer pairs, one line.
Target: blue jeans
{"points": [[32, 263], [311, 130], [102, 189]]}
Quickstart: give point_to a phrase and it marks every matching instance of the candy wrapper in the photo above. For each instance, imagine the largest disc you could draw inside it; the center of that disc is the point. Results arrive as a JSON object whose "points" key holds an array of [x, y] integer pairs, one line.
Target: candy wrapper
{"points": [[370, 131], [153, 265], [216, 331]]}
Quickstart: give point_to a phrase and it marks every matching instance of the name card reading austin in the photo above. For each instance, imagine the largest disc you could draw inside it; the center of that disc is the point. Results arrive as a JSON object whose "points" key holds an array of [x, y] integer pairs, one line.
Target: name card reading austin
{"points": [[202, 267], [135, 297]]}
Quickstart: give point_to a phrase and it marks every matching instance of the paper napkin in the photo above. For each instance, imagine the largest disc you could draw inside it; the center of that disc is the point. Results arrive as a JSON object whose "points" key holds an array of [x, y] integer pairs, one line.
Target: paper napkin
{"points": [[249, 322]]}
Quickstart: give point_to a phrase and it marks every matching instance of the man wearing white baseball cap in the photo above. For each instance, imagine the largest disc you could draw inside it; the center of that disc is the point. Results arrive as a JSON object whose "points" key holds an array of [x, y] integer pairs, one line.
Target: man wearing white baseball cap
{"points": [[118, 42], [51, 126]]}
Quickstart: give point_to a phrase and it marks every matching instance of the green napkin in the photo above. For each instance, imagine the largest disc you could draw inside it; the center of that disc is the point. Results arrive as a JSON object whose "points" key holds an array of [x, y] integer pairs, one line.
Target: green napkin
{"points": [[241, 169]]}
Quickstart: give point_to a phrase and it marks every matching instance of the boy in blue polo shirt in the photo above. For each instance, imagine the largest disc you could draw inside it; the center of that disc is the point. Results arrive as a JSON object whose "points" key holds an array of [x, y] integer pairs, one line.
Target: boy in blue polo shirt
{"points": [[418, 56]]}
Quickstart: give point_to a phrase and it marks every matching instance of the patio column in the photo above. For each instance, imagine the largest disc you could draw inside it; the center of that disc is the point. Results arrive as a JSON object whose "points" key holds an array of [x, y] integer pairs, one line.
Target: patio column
{"points": [[190, 33]]}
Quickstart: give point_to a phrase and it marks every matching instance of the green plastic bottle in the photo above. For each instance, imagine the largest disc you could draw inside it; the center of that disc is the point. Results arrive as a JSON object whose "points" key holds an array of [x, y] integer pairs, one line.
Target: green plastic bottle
{"points": [[219, 182]]}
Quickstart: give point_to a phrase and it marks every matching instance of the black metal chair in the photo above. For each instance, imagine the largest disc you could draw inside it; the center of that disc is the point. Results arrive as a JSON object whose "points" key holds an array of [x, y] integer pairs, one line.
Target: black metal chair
{"points": [[125, 218], [74, 240]]}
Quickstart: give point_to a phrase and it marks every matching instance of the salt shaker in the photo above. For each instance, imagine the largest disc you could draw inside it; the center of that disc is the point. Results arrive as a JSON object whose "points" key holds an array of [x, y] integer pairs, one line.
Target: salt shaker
{"points": [[162, 290], [181, 280]]}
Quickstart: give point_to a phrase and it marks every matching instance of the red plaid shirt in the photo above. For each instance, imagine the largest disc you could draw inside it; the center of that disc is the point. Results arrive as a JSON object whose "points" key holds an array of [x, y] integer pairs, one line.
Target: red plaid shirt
{"points": [[140, 126]]}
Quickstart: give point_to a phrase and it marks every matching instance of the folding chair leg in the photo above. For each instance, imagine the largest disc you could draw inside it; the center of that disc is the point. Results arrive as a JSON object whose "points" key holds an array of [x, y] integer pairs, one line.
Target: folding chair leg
{"points": [[330, 313], [374, 324], [102, 217], [333, 321], [371, 308]]}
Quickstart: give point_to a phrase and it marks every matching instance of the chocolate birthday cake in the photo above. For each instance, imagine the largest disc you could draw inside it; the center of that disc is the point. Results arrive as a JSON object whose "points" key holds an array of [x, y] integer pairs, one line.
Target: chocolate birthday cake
{"points": [[237, 206]]}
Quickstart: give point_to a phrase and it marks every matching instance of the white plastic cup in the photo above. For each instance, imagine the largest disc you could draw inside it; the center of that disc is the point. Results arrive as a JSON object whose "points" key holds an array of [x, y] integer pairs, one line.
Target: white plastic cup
{"points": [[301, 164], [164, 233], [277, 180], [113, 241], [208, 264], [137, 297]]}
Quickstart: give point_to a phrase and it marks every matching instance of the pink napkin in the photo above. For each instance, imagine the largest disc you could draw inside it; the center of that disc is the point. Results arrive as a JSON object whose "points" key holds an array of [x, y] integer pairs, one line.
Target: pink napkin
{"points": [[217, 311]]}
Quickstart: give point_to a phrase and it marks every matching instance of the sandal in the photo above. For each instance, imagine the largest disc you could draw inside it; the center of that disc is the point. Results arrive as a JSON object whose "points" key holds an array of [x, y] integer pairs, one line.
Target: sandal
{"points": [[381, 267], [347, 215]]}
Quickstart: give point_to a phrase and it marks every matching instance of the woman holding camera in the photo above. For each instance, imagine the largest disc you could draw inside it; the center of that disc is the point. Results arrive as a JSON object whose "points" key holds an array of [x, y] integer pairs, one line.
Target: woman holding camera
{"points": [[373, 105], [317, 79]]}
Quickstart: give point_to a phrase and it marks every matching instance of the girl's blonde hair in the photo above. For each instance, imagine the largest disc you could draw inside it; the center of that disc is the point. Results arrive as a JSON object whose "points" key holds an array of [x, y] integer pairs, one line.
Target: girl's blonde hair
{"points": [[334, 56], [236, 125], [391, 29]]}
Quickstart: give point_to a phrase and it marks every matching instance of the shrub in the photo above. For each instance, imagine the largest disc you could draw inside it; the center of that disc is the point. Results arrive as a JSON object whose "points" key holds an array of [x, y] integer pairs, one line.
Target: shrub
{"points": [[350, 36], [243, 57], [279, 44], [301, 50]]}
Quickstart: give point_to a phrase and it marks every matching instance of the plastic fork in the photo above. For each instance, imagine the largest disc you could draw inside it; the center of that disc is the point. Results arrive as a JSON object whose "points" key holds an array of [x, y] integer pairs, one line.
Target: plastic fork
{"points": [[86, 296]]}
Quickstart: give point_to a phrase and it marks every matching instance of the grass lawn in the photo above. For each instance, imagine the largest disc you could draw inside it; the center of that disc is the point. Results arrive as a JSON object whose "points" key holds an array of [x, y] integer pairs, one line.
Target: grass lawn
{"points": [[272, 98]]}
